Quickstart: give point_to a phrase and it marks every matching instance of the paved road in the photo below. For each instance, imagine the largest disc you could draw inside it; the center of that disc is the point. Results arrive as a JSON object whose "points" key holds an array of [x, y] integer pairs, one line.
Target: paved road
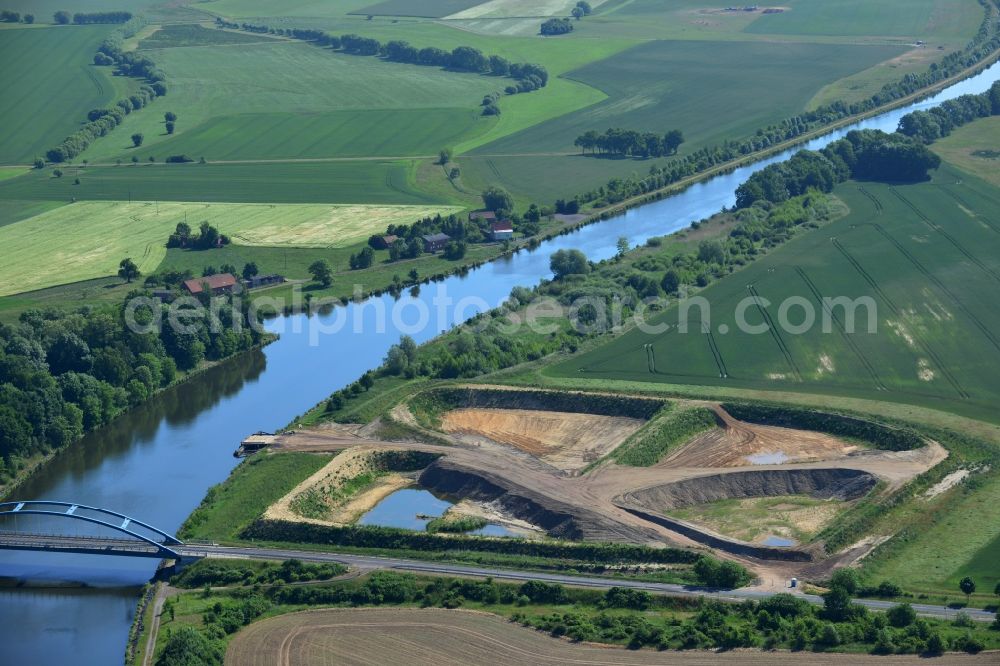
{"points": [[126, 547], [445, 568]]}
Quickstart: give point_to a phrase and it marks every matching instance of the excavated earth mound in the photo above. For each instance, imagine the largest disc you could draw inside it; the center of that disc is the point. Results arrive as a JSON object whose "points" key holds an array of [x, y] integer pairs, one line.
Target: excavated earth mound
{"points": [[652, 503], [557, 518]]}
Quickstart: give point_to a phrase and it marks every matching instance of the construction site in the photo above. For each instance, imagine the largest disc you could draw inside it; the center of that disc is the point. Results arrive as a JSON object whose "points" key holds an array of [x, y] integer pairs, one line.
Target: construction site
{"points": [[541, 464]]}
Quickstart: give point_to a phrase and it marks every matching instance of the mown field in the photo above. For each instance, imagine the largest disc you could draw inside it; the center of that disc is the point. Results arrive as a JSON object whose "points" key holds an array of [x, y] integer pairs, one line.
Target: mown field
{"points": [[975, 149], [41, 65], [927, 256], [86, 240]]}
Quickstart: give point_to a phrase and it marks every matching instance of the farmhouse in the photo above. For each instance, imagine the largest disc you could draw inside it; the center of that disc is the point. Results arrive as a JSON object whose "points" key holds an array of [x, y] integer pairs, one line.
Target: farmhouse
{"points": [[485, 215], [435, 242], [263, 281], [222, 283], [384, 242], [502, 230]]}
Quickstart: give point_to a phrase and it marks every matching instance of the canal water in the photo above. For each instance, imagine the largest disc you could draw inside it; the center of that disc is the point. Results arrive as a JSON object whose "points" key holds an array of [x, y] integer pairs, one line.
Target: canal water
{"points": [[156, 462]]}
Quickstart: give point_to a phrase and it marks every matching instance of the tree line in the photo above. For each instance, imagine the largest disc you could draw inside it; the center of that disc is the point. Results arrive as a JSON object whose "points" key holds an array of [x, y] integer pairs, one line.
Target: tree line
{"points": [[8, 16], [618, 141], [529, 76], [102, 121], [101, 17], [902, 156], [64, 374]]}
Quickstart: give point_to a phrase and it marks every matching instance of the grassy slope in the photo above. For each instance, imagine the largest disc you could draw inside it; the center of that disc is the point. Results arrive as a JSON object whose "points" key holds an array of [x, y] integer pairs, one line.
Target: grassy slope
{"points": [[920, 310], [86, 240], [982, 135], [253, 486], [39, 66]]}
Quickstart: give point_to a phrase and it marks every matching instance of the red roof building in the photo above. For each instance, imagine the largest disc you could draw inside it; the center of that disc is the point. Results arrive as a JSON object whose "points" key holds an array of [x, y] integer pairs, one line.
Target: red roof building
{"points": [[222, 283], [502, 230]]}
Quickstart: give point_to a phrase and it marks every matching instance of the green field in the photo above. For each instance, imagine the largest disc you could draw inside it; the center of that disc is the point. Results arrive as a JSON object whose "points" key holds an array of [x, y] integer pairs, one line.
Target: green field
{"points": [[664, 85], [293, 78], [356, 182], [49, 85], [926, 19], [86, 240], [933, 288], [974, 149], [354, 133]]}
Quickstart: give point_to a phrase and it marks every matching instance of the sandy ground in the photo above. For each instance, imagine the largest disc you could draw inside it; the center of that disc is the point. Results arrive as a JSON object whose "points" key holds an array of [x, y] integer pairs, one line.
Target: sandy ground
{"points": [[495, 515], [946, 483], [353, 637], [738, 444], [564, 440], [344, 466]]}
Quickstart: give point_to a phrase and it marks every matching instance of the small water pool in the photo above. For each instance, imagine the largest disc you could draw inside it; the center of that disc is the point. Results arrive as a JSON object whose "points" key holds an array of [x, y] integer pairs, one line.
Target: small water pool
{"points": [[413, 508], [768, 458], [778, 541]]}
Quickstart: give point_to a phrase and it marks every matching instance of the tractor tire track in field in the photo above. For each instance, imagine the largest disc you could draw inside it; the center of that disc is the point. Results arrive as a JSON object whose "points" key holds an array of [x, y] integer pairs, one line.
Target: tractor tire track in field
{"points": [[965, 204], [650, 358], [716, 352], [983, 328], [775, 334], [879, 385], [951, 239], [924, 347]]}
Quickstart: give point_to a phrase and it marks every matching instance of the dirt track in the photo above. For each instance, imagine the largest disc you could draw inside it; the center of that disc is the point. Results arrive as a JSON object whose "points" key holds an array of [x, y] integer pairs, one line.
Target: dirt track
{"points": [[440, 637]]}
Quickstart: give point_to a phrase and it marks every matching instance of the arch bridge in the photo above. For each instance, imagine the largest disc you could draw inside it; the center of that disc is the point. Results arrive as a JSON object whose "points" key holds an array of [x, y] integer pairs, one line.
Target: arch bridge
{"points": [[133, 538]]}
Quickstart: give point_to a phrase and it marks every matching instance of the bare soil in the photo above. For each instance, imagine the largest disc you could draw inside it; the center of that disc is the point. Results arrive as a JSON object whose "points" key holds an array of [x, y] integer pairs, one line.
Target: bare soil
{"points": [[738, 444], [347, 465], [376, 636], [564, 440], [528, 483]]}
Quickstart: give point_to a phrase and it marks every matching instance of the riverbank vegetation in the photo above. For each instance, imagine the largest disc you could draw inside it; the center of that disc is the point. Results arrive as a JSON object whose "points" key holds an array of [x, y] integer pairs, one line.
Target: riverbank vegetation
{"points": [[65, 374]]}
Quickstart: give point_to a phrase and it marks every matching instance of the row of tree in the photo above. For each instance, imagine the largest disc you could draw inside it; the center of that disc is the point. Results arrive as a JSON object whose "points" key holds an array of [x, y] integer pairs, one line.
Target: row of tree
{"points": [[939, 122], [102, 121], [462, 59], [7, 16], [870, 154], [64, 374], [101, 17], [618, 141]]}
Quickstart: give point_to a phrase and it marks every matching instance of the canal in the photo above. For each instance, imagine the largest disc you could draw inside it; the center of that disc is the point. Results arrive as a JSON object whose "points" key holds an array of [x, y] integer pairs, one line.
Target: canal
{"points": [[157, 462]]}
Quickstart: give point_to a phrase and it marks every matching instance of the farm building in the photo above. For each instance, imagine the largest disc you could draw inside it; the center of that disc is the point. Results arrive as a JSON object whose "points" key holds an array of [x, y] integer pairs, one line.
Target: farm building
{"points": [[384, 242], [222, 283], [501, 231], [165, 295], [435, 242], [486, 215], [263, 281]]}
